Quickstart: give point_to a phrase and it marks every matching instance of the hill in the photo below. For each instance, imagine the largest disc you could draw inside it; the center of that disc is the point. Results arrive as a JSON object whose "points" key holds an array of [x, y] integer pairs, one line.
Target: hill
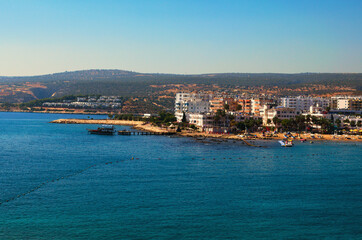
{"points": [[245, 79], [157, 90]]}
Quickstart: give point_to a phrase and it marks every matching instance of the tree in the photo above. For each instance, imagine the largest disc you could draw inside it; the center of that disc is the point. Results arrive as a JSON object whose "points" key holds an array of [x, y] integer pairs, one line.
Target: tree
{"points": [[285, 124], [217, 118], [220, 113], [184, 120], [7, 106], [232, 123], [240, 125], [249, 124], [238, 107], [226, 107], [315, 120], [326, 125], [166, 117], [353, 123], [276, 120], [359, 124], [300, 122], [193, 126]]}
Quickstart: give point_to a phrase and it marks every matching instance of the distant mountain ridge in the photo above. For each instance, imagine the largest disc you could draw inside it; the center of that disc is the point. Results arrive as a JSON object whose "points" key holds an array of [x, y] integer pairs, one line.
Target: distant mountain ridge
{"points": [[108, 73], [73, 75], [247, 79]]}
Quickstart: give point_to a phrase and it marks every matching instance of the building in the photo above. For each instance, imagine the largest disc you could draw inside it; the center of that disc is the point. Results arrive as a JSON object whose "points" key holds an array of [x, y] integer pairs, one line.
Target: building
{"points": [[103, 102], [352, 121], [231, 103], [302, 103], [346, 103], [257, 105], [179, 116], [201, 120], [192, 102], [245, 106], [317, 112], [345, 112], [279, 112], [216, 104]]}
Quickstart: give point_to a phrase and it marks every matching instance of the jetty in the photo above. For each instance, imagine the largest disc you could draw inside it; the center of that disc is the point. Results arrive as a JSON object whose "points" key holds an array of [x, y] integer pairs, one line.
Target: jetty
{"points": [[248, 143]]}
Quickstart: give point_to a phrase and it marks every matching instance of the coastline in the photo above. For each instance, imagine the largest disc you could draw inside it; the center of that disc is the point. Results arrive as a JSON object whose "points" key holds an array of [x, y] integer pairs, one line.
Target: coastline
{"points": [[143, 126], [139, 125]]}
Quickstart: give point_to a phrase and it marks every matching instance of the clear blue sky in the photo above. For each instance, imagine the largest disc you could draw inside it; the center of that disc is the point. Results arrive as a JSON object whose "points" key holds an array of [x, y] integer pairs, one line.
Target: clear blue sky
{"points": [[180, 36]]}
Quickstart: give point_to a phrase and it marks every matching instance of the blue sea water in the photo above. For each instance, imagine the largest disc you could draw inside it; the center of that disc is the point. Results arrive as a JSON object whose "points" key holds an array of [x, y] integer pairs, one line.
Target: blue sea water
{"points": [[58, 182]]}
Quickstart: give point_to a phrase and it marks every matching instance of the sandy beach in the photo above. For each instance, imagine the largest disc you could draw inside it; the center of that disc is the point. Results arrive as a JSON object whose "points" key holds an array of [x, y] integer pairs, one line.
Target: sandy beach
{"points": [[140, 125]]}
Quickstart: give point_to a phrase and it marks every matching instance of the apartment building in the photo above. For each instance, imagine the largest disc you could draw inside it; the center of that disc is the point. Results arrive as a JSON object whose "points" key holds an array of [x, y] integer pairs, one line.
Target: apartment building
{"points": [[257, 105], [301, 103], [346, 103], [245, 106], [216, 104], [232, 103], [192, 102]]}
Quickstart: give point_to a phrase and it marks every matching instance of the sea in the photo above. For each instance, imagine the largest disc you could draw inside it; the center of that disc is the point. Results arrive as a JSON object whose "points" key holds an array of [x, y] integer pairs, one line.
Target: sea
{"points": [[59, 182]]}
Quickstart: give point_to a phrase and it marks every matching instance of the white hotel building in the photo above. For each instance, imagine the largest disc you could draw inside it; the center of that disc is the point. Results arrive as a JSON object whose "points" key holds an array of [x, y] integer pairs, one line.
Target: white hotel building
{"points": [[191, 103], [301, 103], [279, 112]]}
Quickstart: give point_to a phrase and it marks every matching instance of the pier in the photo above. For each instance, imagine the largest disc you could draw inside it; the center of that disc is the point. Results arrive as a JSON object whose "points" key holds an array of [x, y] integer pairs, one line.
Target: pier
{"points": [[128, 133], [249, 144]]}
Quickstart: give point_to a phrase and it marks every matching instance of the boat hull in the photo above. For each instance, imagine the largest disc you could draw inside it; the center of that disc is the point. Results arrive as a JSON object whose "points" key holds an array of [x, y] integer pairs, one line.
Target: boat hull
{"points": [[104, 130]]}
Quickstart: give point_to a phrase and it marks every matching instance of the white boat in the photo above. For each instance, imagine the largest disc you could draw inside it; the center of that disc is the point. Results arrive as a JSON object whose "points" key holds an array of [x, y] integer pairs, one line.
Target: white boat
{"points": [[286, 143]]}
